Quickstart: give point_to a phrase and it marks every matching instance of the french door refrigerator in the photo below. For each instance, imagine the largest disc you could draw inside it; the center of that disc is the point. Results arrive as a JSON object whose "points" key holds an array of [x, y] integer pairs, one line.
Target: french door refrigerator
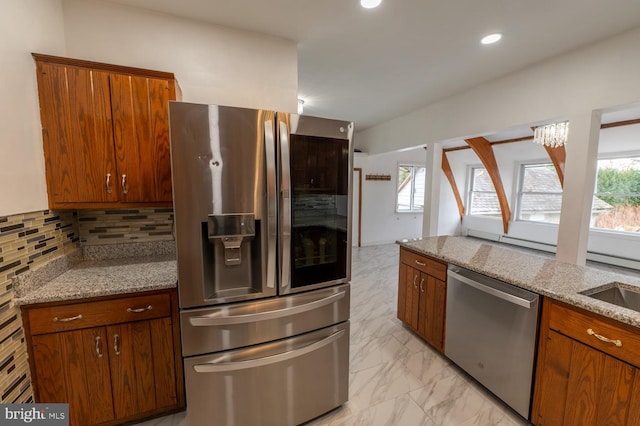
{"points": [[262, 204]]}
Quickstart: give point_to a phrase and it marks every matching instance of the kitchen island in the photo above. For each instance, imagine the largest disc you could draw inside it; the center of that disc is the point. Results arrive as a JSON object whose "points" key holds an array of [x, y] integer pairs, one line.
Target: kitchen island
{"points": [[587, 368], [541, 274]]}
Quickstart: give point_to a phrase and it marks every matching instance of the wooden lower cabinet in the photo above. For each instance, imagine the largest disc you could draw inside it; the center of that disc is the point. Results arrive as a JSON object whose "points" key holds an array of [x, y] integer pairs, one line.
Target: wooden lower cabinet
{"points": [[114, 372], [577, 383], [422, 297]]}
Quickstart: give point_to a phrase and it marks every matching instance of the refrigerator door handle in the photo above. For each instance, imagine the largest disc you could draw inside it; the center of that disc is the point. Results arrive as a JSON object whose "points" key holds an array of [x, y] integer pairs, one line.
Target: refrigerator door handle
{"points": [[208, 321], [214, 367], [285, 207], [272, 201]]}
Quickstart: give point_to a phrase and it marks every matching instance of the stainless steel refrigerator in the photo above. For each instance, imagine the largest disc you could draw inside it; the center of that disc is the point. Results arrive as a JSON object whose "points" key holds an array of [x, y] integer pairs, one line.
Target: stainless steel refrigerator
{"points": [[262, 204]]}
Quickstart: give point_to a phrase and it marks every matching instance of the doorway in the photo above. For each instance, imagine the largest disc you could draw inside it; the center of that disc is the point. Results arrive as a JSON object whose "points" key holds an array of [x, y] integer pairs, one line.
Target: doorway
{"points": [[356, 218]]}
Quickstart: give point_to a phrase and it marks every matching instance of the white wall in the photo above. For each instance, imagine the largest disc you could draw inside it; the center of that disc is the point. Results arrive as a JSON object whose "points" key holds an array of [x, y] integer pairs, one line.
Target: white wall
{"points": [[213, 64], [27, 26], [380, 222], [602, 75]]}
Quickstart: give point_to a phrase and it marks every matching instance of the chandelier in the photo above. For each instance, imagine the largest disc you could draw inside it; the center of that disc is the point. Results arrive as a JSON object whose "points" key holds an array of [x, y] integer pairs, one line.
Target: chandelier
{"points": [[552, 135]]}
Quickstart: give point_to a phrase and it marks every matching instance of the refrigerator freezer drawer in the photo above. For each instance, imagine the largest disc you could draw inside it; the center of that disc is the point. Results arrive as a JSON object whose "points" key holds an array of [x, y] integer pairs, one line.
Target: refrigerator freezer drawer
{"points": [[237, 325], [280, 383]]}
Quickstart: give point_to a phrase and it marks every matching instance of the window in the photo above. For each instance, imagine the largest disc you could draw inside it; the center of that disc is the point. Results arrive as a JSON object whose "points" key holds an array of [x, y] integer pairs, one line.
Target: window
{"points": [[616, 202], [539, 194], [411, 180], [483, 200]]}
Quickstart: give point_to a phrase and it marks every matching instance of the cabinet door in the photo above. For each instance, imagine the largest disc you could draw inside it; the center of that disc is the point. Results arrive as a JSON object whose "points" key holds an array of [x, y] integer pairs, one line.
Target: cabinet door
{"points": [[77, 133], [582, 386], [73, 367], [140, 108], [435, 303], [425, 306], [142, 366], [413, 299], [404, 273]]}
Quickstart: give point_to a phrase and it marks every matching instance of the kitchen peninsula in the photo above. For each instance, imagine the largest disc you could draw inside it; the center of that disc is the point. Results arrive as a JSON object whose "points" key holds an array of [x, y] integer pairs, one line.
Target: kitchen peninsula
{"points": [[588, 368], [103, 334]]}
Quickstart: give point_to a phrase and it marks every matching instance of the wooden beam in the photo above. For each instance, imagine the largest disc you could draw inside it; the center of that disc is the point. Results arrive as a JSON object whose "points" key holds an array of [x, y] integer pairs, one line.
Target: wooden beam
{"points": [[483, 150], [620, 123], [521, 139], [446, 168], [558, 156]]}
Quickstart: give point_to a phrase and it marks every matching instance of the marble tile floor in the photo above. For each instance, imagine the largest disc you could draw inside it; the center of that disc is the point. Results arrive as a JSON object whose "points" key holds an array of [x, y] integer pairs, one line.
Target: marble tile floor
{"points": [[396, 379]]}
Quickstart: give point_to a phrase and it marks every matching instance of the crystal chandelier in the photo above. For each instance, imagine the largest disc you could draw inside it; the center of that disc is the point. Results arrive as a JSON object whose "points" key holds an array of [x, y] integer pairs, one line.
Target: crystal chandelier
{"points": [[552, 135]]}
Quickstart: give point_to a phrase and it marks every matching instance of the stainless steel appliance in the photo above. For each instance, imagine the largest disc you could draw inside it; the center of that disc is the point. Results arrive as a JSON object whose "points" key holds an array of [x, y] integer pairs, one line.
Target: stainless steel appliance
{"points": [[262, 215], [491, 332]]}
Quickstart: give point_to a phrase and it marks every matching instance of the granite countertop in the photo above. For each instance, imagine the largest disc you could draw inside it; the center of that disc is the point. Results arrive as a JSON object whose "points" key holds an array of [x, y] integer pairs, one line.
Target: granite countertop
{"points": [[538, 273], [65, 279]]}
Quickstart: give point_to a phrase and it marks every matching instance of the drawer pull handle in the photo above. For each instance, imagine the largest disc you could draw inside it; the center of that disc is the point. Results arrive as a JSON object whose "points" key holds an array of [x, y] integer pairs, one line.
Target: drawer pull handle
{"points": [[420, 263], [422, 286], [590, 332], [116, 344], [77, 317], [98, 347], [138, 310]]}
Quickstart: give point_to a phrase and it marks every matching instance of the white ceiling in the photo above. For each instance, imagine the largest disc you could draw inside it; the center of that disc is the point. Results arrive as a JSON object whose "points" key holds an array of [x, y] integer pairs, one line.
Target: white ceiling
{"points": [[373, 65]]}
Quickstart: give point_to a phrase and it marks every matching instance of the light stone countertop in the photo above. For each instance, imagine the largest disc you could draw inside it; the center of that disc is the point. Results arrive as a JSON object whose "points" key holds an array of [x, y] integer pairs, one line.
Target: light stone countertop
{"points": [[538, 273], [93, 278]]}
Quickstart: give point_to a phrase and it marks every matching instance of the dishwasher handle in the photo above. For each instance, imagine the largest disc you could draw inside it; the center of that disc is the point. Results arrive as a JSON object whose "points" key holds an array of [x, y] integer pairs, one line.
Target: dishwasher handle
{"points": [[486, 288]]}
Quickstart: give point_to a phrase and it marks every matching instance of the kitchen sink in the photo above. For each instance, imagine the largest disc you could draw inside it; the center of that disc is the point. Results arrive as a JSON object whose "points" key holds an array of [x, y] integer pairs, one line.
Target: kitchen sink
{"points": [[619, 294]]}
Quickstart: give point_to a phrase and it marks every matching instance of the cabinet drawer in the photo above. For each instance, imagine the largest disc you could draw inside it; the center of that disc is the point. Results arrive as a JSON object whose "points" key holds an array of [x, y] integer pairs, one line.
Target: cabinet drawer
{"points": [[576, 324], [91, 314], [428, 266]]}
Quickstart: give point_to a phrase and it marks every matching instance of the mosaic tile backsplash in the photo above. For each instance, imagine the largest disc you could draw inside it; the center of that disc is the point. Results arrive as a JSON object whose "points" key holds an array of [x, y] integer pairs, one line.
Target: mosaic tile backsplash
{"points": [[32, 239], [26, 241], [98, 227]]}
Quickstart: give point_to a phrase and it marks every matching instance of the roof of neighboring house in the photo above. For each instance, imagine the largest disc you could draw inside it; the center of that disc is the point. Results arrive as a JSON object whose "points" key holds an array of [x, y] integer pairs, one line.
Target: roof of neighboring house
{"points": [[539, 179]]}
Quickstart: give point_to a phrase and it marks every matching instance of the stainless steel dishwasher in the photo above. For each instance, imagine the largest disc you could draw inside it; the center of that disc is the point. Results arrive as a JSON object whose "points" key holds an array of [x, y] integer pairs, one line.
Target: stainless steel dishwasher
{"points": [[491, 331]]}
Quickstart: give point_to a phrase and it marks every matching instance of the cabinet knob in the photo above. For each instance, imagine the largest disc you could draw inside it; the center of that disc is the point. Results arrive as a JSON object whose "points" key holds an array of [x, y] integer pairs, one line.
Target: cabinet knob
{"points": [[99, 347], [116, 344], [124, 184], [109, 183]]}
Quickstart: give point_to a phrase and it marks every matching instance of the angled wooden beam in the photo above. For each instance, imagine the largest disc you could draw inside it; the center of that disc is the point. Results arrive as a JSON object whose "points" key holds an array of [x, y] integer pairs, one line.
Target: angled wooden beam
{"points": [[446, 168], [483, 150], [558, 156]]}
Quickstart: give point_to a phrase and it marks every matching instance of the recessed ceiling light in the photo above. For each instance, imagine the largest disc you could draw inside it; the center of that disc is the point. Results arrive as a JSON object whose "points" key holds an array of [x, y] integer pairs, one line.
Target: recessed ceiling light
{"points": [[491, 38], [370, 4]]}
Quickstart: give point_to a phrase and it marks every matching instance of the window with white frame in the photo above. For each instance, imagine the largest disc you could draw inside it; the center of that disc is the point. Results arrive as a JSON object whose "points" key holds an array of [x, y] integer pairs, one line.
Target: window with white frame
{"points": [[483, 200], [410, 195], [616, 202], [539, 193]]}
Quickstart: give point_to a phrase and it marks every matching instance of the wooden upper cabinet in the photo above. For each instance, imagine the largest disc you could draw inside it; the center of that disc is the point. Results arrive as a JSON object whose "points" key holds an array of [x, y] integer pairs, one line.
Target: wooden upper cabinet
{"points": [[105, 132], [141, 132], [77, 132]]}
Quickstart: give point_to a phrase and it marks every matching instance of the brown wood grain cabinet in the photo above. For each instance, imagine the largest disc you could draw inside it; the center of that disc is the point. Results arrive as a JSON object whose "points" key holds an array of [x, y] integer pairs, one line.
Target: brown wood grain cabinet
{"points": [[113, 360], [422, 292], [583, 380], [105, 132]]}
